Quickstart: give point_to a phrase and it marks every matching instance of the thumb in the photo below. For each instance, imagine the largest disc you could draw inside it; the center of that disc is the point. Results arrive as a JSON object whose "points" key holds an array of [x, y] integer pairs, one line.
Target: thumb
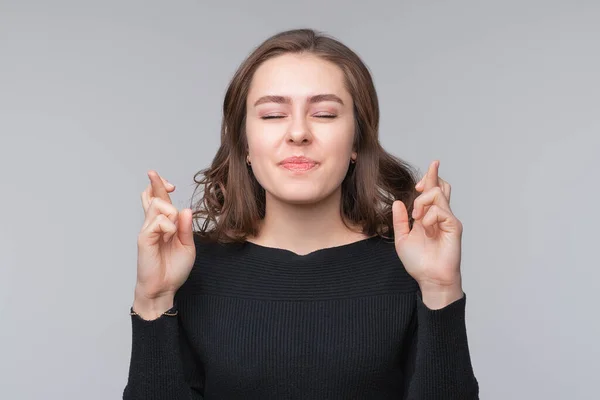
{"points": [[184, 231], [400, 221]]}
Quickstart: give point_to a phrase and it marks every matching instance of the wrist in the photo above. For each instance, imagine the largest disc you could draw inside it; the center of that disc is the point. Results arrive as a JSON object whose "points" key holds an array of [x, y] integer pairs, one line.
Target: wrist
{"points": [[436, 297], [152, 308]]}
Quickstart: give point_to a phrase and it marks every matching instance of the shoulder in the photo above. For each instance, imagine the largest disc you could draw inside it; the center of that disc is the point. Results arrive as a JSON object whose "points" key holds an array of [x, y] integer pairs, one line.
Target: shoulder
{"points": [[203, 243], [385, 257], [208, 252], [208, 248]]}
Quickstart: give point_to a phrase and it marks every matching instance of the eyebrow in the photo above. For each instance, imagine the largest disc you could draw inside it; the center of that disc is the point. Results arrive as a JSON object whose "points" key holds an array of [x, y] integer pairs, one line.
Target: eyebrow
{"points": [[287, 100]]}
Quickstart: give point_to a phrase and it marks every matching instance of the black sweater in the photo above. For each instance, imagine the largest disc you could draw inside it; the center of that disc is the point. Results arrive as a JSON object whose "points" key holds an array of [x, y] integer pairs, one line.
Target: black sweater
{"points": [[343, 322]]}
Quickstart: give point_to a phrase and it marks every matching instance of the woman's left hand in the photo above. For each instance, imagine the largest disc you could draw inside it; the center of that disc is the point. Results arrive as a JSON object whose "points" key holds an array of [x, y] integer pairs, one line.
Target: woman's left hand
{"points": [[431, 251]]}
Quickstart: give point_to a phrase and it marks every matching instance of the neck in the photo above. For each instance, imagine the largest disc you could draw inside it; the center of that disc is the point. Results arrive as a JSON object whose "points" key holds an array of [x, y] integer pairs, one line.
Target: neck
{"points": [[303, 228]]}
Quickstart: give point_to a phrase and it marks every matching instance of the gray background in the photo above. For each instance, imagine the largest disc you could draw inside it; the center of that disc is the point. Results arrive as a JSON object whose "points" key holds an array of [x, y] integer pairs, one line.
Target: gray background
{"points": [[93, 94]]}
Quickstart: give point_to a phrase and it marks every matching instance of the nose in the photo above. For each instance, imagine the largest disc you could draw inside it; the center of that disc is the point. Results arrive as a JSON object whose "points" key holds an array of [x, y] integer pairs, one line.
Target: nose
{"points": [[299, 131]]}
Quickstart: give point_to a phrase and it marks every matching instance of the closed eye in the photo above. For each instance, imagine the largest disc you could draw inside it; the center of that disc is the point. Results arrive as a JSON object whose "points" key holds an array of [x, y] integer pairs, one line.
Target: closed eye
{"points": [[281, 116], [326, 116]]}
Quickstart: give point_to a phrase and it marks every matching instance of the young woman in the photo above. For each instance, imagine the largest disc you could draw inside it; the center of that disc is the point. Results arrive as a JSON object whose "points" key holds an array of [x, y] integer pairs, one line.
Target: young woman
{"points": [[322, 269]]}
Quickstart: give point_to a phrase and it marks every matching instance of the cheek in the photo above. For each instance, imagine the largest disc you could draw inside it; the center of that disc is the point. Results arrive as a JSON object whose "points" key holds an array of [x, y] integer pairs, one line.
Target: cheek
{"points": [[257, 139], [340, 145], [251, 131]]}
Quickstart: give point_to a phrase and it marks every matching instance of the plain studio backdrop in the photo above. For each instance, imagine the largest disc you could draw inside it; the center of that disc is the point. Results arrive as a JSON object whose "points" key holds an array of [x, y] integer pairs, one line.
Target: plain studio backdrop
{"points": [[95, 93]]}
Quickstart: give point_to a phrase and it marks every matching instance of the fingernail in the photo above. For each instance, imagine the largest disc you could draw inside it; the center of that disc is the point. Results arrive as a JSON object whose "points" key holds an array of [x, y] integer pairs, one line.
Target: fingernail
{"points": [[170, 184]]}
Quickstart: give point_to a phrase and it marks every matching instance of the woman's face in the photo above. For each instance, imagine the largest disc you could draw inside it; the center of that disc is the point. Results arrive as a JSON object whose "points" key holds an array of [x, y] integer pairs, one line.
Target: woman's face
{"points": [[298, 105]]}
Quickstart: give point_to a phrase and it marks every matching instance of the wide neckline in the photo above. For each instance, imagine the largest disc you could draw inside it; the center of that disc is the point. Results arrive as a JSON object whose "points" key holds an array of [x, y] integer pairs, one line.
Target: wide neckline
{"points": [[333, 250]]}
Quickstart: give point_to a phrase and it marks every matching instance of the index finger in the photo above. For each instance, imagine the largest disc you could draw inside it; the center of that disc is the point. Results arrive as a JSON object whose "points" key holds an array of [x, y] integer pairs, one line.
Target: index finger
{"points": [[431, 179], [158, 188]]}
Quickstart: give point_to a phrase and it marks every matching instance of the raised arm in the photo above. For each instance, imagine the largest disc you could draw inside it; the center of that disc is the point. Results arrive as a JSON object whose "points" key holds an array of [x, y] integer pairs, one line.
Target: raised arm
{"points": [[162, 366], [438, 365]]}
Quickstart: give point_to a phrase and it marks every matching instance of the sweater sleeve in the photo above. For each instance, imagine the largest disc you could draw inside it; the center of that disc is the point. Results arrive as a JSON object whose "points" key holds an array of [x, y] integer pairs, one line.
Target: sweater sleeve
{"points": [[439, 364], [162, 365]]}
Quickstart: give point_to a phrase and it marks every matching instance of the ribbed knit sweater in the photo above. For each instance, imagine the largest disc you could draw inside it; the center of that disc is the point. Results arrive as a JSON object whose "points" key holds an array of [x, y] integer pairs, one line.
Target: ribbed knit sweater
{"points": [[345, 322]]}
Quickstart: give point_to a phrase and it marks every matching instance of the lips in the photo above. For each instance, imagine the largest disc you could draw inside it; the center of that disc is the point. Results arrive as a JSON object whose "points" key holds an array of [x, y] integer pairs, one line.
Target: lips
{"points": [[298, 166], [298, 163], [298, 160]]}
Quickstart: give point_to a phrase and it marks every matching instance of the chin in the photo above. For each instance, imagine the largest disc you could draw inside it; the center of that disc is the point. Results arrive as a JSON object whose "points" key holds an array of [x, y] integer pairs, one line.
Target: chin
{"points": [[298, 198], [300, 194], [296, 194]]}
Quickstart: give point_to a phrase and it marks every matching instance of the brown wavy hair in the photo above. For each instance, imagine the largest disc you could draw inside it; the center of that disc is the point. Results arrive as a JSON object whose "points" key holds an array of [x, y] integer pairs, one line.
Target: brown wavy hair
{"points": [[233, 202]]}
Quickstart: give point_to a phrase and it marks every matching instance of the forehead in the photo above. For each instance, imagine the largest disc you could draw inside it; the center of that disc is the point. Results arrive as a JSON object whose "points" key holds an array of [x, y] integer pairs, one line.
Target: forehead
{"points": [[297, 75]]}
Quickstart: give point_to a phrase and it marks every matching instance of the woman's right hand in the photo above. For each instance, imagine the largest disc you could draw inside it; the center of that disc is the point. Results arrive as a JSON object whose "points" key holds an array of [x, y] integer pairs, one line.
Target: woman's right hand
{"points": [[166, 250]]}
